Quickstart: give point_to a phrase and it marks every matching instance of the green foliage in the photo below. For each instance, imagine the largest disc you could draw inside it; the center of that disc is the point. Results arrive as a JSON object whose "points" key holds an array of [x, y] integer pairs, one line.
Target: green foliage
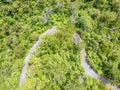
{"points": [[34, 36], [102, 42], [19, 51], [56, 64], [84, 22]]}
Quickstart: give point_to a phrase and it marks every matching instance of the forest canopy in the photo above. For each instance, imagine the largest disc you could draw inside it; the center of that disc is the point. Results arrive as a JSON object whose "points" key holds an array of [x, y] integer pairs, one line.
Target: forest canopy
{"points": [[56, 64]]}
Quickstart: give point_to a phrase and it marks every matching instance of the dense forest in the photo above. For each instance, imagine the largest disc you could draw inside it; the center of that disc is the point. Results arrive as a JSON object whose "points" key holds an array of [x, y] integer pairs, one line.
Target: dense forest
{"points": [[56, 64]]}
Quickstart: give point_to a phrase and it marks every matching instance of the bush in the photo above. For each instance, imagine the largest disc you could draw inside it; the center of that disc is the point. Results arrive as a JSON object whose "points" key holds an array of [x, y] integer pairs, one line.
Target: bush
{"points": [[19, 51]]}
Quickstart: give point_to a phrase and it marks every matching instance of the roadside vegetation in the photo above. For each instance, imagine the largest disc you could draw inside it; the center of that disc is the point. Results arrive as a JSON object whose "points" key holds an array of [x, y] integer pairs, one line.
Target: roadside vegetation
{"points": [[56, 63]]}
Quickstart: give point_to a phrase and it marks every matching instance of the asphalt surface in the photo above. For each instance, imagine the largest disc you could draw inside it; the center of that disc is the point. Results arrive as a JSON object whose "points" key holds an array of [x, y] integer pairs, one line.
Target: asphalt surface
{"points": [[31, 53], [76, 39], [88, 70]]}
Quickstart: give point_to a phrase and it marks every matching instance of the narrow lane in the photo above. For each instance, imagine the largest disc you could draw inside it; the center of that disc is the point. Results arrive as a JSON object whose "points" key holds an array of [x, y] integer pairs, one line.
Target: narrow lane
{"points": [[88, 70], [31, 53]]}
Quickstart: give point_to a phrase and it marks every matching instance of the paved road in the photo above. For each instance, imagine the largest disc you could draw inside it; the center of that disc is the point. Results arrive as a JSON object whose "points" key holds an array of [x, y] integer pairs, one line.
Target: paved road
{"points": [[88, 70], [31, 53]]}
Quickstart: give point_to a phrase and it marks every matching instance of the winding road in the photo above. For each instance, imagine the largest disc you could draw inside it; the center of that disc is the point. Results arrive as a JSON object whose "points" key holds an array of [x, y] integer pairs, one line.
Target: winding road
{"points": [[31, 53], [88, 70]]}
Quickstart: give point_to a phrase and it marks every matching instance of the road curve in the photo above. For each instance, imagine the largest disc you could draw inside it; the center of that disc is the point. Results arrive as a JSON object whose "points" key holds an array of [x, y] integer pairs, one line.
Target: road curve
{"points": [[31, 53], [88, 69]]}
